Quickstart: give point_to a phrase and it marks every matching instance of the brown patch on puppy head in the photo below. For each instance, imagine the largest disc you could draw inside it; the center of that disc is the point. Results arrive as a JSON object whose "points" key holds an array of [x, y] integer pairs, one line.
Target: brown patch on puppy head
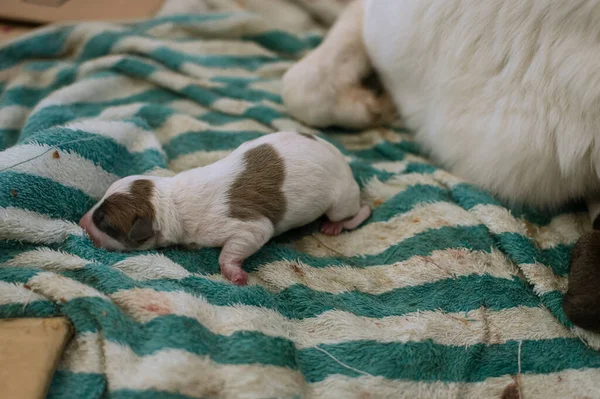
{"points": [[309, 136], [128, 217], [581, 303], [257, 191]]}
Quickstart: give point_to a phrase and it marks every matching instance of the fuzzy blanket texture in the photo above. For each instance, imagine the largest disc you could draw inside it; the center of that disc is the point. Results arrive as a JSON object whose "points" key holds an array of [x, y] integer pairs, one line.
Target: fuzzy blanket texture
{"points": [[443, 292]]}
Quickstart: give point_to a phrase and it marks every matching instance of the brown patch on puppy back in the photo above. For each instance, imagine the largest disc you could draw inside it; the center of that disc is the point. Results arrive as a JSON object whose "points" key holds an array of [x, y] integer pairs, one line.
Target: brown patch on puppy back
{"points": [[309, 136], [257, 191], [122, 209]]}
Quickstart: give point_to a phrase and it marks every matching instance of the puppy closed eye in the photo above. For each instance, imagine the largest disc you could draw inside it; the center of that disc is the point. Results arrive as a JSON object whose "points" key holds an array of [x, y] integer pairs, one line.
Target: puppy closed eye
{"points": [[99, 219]]}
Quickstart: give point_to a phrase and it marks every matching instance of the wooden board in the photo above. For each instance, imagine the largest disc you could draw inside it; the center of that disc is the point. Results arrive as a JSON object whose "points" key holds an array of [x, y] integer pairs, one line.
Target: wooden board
{"points": [[47, 11], [30, 350]]}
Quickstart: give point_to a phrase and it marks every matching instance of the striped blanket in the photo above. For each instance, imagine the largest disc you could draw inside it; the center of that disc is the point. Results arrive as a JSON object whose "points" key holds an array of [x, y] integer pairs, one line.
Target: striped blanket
{"points": [[444, 292]]}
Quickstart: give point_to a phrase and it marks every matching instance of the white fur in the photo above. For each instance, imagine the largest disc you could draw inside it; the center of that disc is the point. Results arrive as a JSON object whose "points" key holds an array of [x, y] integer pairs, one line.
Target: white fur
{"points": [[192, 208], [504, 93]]}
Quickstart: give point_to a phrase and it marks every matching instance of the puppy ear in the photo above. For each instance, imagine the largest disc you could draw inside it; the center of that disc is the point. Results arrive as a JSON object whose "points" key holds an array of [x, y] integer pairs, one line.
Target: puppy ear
{"points": [[141, 229]]}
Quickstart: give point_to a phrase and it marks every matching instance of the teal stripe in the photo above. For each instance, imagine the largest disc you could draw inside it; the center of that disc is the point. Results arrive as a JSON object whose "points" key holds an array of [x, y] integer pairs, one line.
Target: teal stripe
{"points": [[428, 361], [43, 195], [281, 42], [384, 151], [67, 384], [103, 151], [263, 114], [40, 66], [218, 118], [553, 301], [207, 140], [523, 250], [363, 172], [175, 60], [46, 45], [31, 309], [15, 274], [54, 115], [135, 67], [29, 97], [201, 95], [8, 137], [558, 258]]}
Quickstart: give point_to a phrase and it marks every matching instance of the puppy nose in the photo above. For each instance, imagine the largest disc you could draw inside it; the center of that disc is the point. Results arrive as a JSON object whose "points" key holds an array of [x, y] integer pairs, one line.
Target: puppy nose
{"points": [[85, 221]]}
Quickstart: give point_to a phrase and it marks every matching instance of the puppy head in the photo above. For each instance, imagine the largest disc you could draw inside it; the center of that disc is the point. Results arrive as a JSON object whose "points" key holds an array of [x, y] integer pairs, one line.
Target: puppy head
{"points": [[124, 219]]}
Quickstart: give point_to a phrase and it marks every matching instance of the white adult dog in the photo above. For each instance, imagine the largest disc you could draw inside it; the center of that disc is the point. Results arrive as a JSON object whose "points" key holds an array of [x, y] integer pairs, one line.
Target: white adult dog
{"points": [[505, 93]]}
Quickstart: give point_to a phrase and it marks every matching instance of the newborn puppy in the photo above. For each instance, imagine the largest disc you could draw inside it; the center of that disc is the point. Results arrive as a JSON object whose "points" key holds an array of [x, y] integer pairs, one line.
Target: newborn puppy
{"points": [[264, 188]]}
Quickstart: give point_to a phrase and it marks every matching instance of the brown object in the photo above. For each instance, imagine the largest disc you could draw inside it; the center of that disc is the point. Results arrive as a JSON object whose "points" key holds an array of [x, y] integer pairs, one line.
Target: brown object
{"points": [[47, 11], [258, 190], [30, 350], [581, 303]]}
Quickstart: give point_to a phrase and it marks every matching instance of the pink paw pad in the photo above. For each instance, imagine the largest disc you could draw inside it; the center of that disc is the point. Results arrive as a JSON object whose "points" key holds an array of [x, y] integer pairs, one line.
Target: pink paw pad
{"points": [[332, 228], [239, 278]]}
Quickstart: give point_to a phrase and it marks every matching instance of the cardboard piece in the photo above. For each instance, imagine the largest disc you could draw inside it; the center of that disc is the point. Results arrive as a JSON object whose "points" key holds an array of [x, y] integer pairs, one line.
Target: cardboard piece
{"points": [[30, 350], [48, 11]]}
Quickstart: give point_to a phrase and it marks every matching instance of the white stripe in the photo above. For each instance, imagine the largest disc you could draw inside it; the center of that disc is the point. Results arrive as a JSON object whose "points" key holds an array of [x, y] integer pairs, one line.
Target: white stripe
{"points": [[188, 107], [175, 370], [376, 237], [94, 91], [178, 82], [200, 71], [13, 116], [64, 167], [232, 106], [47, 259], [118, 112], [563, 229], [36, 79], [498, 220], [84, 354], [290, 125], [23, 225], [152, 266], [270, 86], [335, 326], [273, 69], [106, 62], [178, 124], [543, 278], [221, 48], [17, 293], [61, 289], [128, 134], [376, 280]]}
